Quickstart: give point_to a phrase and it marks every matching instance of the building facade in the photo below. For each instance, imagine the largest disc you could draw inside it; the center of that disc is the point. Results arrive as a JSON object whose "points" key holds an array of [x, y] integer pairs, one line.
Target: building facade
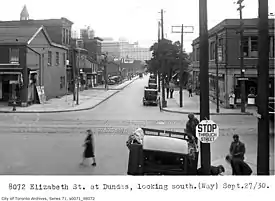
{"points": [[226, 36], [29, 62]]}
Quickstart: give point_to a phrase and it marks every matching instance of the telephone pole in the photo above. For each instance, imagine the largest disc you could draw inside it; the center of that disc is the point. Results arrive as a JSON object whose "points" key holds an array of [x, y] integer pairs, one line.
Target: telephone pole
{"points": [[242, 79], [204, 82], [263, 90], [78, 69], [158, 56], [217, 75], [164, 103], [181, 57]]}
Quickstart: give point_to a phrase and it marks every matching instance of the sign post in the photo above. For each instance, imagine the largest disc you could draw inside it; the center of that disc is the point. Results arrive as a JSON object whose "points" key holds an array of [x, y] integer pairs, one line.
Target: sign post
{"points": [[207, 131]]}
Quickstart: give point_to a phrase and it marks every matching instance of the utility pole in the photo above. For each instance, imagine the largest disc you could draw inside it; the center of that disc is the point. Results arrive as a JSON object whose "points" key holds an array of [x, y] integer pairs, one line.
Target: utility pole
{"points": [[181, 57], [181, 67], [242, 80], [74, 74], [204, 82], [263, 90], [217, 75], [164, 103], [78, 68], [158, 56]]}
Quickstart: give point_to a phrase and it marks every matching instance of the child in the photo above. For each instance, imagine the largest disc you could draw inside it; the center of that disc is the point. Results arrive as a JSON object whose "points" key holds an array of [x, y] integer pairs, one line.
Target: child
{"points": [[89, 148]]}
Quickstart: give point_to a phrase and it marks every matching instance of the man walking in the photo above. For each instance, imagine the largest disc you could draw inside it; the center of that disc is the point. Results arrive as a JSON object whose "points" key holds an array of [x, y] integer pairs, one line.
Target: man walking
{"points": [[237, 148], [190, 91]]}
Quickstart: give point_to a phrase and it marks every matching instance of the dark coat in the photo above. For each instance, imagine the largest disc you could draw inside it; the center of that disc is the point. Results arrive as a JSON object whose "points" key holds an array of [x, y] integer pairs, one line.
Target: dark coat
{"points": [[89, 148], [239, 167], [237, 150]]}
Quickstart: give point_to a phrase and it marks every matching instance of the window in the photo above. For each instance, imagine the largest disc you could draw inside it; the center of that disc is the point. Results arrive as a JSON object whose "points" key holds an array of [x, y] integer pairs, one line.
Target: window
{"points": [[14, 55], [271, 43], [64, 59], [212, 51], [63, 36], [254, 47], [49, 58], [197, 54], [62, 82], [246, 46], [57, 58]]}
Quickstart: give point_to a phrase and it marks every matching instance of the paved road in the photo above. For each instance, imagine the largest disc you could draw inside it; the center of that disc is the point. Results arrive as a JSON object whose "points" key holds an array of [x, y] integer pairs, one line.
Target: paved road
{"points": [[52, 143]]}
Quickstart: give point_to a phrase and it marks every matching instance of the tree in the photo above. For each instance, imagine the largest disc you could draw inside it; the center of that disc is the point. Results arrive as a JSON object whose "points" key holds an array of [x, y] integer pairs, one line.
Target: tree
{"points": [[168, 52]]}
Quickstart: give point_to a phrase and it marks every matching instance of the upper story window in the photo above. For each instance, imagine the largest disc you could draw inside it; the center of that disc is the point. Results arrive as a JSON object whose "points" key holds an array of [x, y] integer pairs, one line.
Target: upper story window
{"points": [[57, 58], [49, 58], [64, 36], [14, 55], [212, 51]]}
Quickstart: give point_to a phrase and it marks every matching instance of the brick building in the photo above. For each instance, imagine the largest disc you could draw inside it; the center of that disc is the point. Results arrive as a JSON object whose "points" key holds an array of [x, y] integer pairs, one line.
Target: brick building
{"points": [[29, 59], [229, 67]]}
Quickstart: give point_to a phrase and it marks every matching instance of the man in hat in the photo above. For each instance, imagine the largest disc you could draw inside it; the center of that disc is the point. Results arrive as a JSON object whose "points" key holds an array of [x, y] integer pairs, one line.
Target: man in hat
{"points": [[237, 148], [191, 125]]}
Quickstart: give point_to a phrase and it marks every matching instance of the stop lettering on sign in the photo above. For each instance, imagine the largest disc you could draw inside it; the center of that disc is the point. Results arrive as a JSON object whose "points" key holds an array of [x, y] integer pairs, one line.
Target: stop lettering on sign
{"points": [[207, 132]]}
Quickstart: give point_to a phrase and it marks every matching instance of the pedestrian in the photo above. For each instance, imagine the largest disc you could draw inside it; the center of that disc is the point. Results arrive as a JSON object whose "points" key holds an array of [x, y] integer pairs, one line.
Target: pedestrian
{"points": [[167, 92], [214, 170], [191, 126], [171, 93], [232, 100], [190, 91], [89, 148], [239, 167], [237, 148]]}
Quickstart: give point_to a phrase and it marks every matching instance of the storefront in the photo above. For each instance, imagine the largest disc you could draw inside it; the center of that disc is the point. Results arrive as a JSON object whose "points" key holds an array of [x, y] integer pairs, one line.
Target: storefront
{"points": [[10, 86], [251, 87]]}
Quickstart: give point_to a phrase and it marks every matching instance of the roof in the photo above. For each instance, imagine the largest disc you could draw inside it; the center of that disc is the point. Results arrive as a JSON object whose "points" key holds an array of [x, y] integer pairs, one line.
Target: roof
{"points": [[165, 144], [17, 35], [23, 36], [235, 23], [45, 22]]}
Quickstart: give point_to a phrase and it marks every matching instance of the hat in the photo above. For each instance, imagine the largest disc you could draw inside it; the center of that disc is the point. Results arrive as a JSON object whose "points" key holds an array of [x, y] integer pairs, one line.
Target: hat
{"points": [[191, 116], [222, 168], [236, 136]]}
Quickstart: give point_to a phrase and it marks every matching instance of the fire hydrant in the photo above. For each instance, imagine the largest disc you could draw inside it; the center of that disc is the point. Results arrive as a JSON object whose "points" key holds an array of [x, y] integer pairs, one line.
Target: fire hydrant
{"points": [[14, 106]]}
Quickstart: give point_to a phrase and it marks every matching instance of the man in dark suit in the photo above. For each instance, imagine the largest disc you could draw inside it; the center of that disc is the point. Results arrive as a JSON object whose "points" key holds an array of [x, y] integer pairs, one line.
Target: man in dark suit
{"points": [[239, 167], [237, 148]]}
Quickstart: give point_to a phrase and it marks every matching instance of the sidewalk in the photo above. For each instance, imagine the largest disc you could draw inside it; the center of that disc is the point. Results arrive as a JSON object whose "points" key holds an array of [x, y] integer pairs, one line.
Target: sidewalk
{"points": [[88, 99], [192, 105]]}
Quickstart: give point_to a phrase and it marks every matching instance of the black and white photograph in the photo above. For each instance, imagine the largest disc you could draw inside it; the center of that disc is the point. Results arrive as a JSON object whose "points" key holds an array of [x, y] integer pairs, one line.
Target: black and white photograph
{"points": [[135, 87]]}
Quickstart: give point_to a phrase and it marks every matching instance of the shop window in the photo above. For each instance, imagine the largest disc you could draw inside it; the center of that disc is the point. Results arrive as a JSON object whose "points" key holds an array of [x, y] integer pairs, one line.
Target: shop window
{"points": [[14, 55]]}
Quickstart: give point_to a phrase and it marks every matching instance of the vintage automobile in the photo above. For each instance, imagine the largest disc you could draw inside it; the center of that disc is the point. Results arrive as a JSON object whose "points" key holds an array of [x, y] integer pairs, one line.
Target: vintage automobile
{"points": [[152, 86], [150, 96], [140, 75], [152, 80], [160, 152]]}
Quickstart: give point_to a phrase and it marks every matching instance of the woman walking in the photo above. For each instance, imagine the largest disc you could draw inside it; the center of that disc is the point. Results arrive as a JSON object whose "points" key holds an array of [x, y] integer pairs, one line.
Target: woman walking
{"points": [[89, 148]]}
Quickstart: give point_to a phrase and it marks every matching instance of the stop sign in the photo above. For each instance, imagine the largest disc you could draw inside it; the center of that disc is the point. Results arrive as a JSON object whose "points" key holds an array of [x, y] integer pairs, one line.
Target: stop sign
{"points": [[207, 131]]}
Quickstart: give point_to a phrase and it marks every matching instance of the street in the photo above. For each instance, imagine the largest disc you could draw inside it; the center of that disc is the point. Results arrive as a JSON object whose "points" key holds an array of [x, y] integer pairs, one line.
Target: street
{"points": [[51, 143]]}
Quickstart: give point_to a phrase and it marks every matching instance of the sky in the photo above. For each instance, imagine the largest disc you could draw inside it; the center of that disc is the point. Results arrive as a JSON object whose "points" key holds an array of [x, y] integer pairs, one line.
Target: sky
{"points": [[135, 20]]}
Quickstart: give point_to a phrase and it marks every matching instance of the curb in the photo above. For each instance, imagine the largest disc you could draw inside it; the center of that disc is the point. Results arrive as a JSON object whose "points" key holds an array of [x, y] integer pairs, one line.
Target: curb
{"points": [[73, 110], [213, 113]]}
